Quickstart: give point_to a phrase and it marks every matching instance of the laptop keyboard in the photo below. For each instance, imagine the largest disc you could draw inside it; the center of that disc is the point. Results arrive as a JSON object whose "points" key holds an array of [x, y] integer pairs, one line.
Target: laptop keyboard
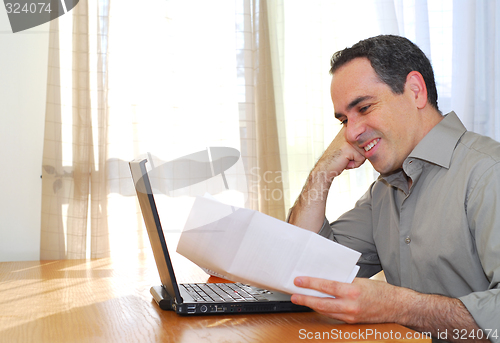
{"points": [[224, 292]]}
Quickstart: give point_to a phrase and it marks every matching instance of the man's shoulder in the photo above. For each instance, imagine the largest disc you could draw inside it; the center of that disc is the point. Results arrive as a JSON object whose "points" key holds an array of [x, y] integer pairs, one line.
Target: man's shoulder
{"points": [[478, 147]]}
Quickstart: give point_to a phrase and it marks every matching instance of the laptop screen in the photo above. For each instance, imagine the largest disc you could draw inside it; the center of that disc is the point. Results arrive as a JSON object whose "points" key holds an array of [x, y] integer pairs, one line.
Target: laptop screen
{"points": [[153, 226]]}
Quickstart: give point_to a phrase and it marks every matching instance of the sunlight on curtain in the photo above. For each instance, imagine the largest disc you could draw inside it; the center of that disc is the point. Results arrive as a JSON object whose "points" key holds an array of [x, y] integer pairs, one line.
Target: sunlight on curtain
{"points": [[72, 184], [171, 89], [258, 108], [171, 93], [475, 89]]}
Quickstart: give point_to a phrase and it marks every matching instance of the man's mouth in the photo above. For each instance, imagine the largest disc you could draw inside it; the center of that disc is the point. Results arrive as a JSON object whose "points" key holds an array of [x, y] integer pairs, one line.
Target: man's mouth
{"points": [[371, 144]]}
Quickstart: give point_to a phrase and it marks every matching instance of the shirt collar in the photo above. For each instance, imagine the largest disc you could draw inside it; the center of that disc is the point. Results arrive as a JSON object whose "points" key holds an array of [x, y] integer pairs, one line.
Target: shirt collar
{"points": [[438, 145]]}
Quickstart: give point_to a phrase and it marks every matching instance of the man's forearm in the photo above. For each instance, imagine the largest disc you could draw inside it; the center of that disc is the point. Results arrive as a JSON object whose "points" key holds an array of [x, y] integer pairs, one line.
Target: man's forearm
{"points": [[445, 318], [308, 212]]}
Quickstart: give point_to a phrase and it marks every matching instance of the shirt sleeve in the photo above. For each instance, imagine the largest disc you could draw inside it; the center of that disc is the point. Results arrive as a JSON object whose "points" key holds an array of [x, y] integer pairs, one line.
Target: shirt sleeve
{"points": [[483, 213], [354, 229]]}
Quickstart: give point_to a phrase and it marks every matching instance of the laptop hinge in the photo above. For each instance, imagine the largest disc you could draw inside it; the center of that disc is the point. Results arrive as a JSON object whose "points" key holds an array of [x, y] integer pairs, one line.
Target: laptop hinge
{"points": [[162, 298]]}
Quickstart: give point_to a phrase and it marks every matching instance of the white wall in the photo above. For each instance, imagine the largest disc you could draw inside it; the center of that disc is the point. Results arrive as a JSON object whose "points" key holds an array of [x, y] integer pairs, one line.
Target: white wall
{"points": [[23, 77]]}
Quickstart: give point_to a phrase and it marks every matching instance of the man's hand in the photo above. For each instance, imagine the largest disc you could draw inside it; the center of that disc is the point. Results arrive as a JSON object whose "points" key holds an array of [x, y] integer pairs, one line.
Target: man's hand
{"points": [[362, 301], [308, 212], [370, 301], [339, 155]]}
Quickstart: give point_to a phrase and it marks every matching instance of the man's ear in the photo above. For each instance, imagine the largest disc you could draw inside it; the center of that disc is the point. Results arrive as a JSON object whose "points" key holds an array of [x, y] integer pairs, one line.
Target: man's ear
{"points": [[416, 84]]}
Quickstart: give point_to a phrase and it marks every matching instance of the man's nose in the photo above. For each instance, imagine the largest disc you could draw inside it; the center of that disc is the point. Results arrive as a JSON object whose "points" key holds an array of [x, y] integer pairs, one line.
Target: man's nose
{"points": [[355, 128]]}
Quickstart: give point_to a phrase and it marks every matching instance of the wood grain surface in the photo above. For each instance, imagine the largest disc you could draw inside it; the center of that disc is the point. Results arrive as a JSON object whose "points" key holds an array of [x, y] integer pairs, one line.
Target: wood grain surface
{"points": [[108, 300]]}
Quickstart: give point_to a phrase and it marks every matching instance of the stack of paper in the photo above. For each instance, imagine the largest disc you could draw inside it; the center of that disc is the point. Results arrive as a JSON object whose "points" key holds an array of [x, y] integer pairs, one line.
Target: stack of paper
{"points": [[247, 246]]}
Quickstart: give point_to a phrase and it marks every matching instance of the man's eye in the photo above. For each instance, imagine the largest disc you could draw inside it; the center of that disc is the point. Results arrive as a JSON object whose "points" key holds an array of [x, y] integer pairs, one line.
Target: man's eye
{"points": [[364, 108], [343, 122]]}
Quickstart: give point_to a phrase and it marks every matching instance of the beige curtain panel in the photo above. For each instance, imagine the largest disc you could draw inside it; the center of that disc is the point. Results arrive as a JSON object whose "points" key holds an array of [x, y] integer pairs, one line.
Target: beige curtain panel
{"points": [[93, 129], [74, 153]]}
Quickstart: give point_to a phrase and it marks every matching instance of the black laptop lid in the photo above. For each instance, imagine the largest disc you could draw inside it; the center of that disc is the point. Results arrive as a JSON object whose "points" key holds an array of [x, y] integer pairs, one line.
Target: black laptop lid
{"points": [[153, 226]]}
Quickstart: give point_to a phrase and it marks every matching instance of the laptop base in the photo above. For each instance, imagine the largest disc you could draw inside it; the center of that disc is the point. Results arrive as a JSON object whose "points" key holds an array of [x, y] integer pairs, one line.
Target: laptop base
{"points": [[167, 303]]}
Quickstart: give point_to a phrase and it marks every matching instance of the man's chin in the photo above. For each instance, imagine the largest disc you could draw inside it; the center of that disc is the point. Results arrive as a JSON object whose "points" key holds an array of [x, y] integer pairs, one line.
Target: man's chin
{"points": [[384, 170]]}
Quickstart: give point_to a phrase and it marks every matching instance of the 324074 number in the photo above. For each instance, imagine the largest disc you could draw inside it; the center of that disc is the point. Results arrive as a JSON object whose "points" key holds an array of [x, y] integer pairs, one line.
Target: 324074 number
{"points": [[475, 334], [16, 7]]}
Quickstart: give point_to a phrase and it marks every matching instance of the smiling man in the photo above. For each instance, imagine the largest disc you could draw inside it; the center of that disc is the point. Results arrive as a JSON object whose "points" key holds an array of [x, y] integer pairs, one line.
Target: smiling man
{"points": [[432, 219]]}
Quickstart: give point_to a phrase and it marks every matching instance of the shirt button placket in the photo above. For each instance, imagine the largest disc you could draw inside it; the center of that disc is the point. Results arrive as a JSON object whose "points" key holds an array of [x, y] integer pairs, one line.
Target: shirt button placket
{"points": [[406, 214], [405, 248]]}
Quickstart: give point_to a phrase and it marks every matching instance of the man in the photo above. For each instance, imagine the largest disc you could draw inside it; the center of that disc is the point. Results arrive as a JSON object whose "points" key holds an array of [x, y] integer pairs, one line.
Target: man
{"points": [[432, 219]]}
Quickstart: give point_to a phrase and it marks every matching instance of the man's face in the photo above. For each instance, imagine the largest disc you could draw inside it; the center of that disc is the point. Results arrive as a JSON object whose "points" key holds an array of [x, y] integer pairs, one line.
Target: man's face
{"points": [[382, 125]]}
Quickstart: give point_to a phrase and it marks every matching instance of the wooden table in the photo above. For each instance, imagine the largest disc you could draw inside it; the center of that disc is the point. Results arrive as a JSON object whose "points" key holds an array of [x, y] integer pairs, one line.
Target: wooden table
{"points": [[108, 300]]}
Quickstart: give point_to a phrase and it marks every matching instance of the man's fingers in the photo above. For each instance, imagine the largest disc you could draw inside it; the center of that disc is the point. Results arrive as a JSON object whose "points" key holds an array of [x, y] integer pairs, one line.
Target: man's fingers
{"points": [[321, 305], [353, 164], [341, 155], [333, 288], [330, 307]]}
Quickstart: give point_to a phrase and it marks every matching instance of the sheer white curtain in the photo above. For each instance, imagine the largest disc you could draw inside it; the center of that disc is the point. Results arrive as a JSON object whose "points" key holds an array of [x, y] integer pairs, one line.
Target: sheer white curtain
{"points": [[475, 81], [171, 93], [175, 78], [74, 183]]}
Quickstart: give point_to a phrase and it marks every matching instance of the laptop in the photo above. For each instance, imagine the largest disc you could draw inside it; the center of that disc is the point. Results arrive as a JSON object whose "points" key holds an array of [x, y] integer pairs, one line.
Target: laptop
{"points": [[198, 298]]}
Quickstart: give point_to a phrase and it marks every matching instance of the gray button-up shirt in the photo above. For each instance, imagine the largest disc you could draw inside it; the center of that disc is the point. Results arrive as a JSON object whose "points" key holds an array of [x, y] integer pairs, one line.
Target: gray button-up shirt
{"points": [[442, 235]]}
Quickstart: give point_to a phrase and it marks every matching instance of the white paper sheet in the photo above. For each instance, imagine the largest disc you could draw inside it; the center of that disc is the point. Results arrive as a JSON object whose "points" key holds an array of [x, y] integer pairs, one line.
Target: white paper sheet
{"points": [[248, 246]]}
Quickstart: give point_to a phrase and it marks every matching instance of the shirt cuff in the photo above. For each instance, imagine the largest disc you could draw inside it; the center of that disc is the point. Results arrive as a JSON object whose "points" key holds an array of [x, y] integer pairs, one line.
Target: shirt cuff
{"points": [[326, 230], [483, 308]]}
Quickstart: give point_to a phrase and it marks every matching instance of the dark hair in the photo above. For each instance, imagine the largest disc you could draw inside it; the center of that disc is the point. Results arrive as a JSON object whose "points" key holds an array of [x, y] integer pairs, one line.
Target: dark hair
{"points": [[392, 58]]}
